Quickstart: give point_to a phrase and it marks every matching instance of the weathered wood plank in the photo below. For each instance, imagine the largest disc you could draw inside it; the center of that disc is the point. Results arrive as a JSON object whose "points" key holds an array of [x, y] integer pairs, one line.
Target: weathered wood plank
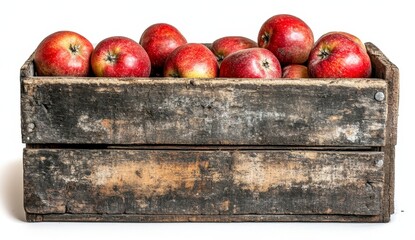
{"points": [[314, 112], [125, 181], [200, 218], [27, 70], [307, 182], [63, 181], [385, 69]]}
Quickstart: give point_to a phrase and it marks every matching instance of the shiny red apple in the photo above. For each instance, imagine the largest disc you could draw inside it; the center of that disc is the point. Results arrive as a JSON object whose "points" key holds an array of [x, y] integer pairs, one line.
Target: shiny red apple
{"points": [[295, 71], [192, 60], [349, 35], [63, 53], [224, 46], [251, 63], [288, 37], [120, 57], [338, 56], [159, 40]]}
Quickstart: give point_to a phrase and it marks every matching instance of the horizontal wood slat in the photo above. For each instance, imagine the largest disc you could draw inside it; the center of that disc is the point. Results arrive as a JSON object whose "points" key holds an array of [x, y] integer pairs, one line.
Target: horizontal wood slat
{"points": [[335, 112], [88, 181], [200, 218]]}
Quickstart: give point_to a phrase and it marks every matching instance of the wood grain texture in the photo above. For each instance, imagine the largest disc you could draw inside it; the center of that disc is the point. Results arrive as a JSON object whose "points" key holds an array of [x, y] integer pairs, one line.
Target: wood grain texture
{"points": [[385, 69], [200, 218], [69, 181], [313, 112]]}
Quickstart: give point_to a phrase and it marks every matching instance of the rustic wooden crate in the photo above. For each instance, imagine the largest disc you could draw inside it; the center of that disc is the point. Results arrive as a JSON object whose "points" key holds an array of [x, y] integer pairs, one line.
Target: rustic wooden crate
{"points": [[161, 149]]}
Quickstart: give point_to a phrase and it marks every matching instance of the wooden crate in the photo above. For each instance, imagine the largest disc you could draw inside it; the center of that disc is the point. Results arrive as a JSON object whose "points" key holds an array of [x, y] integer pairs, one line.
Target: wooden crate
{"points": [[219, 150]]}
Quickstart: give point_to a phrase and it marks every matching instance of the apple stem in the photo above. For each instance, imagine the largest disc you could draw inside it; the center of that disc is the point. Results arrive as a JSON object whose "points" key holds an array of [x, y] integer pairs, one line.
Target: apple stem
{"points": [[265, 38], [324, 53], [265, 63], [74, 48], [111, 58]]}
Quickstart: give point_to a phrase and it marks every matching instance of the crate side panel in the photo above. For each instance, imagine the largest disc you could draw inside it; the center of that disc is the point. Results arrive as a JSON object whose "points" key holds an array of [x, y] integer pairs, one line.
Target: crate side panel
{"points": [[337, 112], [385, 69], [202, 182]]}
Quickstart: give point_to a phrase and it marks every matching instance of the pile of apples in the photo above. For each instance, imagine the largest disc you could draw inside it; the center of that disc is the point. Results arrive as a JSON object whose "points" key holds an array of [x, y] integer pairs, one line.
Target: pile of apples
{"points": [[285, 48]]}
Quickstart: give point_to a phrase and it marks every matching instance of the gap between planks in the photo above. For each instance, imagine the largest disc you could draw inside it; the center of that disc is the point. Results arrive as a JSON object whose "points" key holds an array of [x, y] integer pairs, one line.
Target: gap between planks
{"points": [[202, 147]]}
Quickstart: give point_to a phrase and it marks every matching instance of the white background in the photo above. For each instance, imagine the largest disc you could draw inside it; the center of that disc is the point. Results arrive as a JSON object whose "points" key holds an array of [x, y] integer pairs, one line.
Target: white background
{"points": [[25, 23]]}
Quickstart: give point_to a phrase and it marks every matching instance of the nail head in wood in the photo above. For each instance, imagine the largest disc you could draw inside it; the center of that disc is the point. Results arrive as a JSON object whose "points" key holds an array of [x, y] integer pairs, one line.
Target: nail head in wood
{"points": [[380, 96], [379, 163], [30, 127]]}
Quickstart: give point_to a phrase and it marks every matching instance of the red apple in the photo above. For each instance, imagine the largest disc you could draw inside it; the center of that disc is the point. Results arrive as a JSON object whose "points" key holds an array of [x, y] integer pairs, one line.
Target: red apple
{"points": [[295, 71], [192, 60], [159, 40], [224, 46], [338, 56], [351, 36], [120, 57], [288, 37], [251, 63], [63, 53]]}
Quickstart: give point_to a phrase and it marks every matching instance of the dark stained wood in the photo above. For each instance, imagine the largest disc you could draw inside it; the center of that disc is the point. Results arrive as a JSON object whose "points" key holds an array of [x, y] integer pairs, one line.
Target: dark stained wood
{"points": [[337, 112], [385, 69], [161, 182], [307, 182], [125, 181], [202, 147], [199, 218], [27, 70]]}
